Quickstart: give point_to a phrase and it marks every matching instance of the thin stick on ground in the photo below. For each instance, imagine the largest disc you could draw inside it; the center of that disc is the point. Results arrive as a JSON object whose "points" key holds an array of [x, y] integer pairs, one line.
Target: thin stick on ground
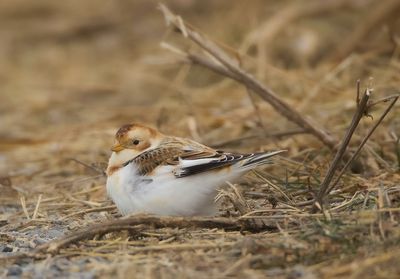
{"points": [[361, 108], [96, 209], [130, 223], [25, 210], [88, 166], [35, 212], [230, 68], [365, 139]]}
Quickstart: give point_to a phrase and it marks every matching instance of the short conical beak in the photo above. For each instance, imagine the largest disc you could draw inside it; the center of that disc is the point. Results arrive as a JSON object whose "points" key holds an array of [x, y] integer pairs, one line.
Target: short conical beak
{"points": [[117, 147]]}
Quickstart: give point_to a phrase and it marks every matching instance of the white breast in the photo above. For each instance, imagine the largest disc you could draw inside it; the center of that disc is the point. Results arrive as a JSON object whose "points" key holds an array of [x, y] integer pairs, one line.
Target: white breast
{"points": [[163, 193]]}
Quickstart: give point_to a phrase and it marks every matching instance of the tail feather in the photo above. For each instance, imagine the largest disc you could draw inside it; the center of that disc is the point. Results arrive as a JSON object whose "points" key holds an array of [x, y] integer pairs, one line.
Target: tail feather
{"points": [[259, 159]]}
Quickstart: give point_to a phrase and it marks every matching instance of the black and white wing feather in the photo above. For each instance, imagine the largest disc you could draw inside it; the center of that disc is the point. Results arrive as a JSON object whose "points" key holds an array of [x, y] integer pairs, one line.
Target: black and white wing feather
{"points": [[242, 162], [190, 158]]}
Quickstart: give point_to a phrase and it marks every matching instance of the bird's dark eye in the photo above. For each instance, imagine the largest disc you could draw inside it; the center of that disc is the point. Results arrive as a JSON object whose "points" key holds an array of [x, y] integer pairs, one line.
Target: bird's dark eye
{"points": [[135, 142]]}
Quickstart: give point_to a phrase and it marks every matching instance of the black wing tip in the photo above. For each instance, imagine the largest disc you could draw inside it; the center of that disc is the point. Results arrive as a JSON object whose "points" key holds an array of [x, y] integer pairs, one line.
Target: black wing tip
{"points": [[262, 156], [229, 159]]}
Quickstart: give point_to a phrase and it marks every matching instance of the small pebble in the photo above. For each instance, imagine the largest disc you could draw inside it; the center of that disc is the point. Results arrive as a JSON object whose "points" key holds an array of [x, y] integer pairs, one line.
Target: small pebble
{"points": [[7, 249]]}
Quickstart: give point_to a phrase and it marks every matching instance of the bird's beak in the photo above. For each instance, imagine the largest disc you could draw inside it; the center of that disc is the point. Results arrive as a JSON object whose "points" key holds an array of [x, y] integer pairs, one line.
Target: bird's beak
{"points": [[117, 147]]}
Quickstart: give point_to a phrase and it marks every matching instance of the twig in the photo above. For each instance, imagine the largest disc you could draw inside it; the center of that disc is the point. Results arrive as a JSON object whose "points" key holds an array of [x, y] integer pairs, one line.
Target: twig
{"points": [[159, 248], [85, 202], [231, 68], [23, 204], [236, 198], [239, 264], [98, 209], [88, 166], [129, 223], [208, 63], [383, 100], [35, 212], [361, 107], [275, 187], [365, 139]]}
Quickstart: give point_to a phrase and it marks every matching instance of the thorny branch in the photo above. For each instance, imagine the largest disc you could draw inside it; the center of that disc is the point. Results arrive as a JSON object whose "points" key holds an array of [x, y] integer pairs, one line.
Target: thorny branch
{"points": [[230, 68]]}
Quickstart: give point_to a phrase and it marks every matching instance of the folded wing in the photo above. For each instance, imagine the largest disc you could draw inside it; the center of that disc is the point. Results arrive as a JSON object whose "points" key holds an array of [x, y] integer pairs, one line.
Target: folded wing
{"points": [[242, 162], [190, 158]]}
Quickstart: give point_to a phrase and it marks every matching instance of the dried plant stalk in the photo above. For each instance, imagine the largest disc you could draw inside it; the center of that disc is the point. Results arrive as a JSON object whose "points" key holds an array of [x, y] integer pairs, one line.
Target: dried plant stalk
{"points": [[131, 223], [231, 68], [362, 109]]}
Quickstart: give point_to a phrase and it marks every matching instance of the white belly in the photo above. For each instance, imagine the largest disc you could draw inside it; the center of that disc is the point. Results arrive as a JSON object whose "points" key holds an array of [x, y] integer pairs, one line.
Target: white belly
{"points": [[163, 194]]}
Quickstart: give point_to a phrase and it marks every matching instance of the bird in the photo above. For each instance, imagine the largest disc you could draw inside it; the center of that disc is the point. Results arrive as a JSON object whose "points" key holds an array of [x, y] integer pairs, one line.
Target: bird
{"points": [[149, 172]]}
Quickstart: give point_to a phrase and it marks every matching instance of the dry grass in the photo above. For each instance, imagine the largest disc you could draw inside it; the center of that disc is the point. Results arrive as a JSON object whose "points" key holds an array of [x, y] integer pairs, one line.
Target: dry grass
{"points": [[73, 72]]}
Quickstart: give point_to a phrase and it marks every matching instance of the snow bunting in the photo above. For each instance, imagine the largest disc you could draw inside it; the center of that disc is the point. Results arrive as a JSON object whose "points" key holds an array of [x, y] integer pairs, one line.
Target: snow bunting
{"points": [[153, 173]]}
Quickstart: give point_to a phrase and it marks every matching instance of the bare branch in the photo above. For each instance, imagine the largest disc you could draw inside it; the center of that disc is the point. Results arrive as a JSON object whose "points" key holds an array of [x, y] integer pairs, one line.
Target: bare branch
{"points": [[231, 68], [361, 107], [365, 139], [208, 63], [132, 222]]}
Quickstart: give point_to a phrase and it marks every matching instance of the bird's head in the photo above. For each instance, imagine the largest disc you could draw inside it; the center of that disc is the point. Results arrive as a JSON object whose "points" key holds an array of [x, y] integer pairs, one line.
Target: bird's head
{"points": [[130, 141]]}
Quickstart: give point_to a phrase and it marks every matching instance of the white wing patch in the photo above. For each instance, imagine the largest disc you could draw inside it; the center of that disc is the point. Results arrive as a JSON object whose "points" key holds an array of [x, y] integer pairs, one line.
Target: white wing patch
{"points": [[190, 163]]}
